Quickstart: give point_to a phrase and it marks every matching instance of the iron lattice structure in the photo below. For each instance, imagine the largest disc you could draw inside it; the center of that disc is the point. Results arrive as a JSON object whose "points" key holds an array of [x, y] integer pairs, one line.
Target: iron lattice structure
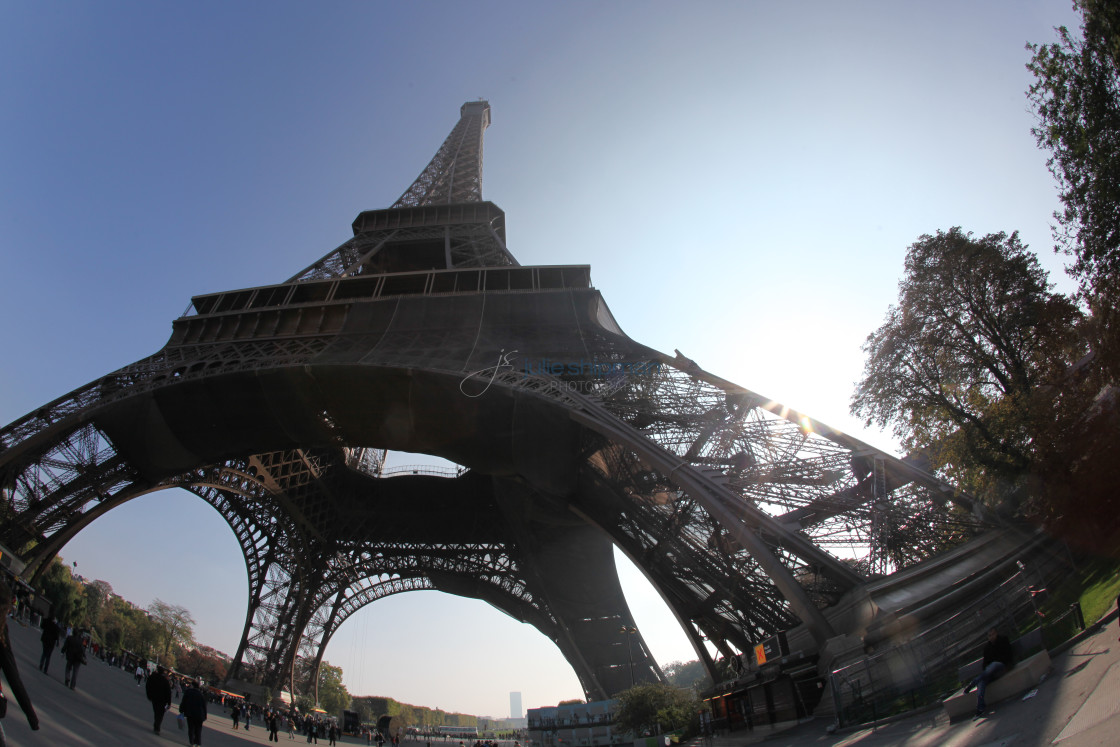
{"points": [[276, 406]]}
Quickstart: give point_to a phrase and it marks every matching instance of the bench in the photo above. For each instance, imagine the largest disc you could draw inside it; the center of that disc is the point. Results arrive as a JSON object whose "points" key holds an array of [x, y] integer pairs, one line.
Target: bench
{"points": [[1025, 674]]}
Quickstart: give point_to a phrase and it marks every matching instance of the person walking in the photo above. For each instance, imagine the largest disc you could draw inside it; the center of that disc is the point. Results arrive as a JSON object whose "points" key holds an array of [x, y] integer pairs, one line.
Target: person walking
{"points": [[8, 667], [235, 714], [193, 708], [158, 690], [272, 718], [49, 639], [75, 658]]}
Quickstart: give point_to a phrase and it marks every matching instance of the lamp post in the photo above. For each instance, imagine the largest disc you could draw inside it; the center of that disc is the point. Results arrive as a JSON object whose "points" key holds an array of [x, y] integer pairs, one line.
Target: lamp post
{"points": [[628, 632]]}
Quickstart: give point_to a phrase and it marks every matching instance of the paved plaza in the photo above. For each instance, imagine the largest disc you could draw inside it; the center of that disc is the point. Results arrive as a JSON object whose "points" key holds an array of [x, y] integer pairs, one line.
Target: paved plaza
{"points": [[1077, 706], [107, 708]]}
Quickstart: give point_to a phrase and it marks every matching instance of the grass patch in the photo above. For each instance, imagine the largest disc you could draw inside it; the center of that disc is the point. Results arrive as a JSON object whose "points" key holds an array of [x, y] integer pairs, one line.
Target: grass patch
{"points": [[1094, 582], [1100, 597]]}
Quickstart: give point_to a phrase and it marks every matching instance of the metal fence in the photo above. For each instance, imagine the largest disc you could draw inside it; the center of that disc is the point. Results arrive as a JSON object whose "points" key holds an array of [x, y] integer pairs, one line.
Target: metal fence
{"points": [[924, 669]]}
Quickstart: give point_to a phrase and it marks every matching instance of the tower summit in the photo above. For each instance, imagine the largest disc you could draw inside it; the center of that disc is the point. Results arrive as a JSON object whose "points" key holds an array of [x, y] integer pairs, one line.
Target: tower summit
{"points": [[455, 172], [440, 223]]}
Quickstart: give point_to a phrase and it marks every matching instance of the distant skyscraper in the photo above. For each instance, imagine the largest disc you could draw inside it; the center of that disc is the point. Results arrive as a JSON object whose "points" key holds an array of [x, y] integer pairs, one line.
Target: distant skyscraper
{"points": [[515, 705]]}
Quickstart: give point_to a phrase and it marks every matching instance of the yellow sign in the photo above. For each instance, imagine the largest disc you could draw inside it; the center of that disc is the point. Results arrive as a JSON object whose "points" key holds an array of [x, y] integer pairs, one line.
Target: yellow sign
{"points": [[760, 654]]}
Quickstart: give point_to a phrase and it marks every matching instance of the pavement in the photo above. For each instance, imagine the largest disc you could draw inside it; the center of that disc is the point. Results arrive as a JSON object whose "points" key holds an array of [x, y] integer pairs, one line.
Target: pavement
{"points": [[107, 708], [1078, 705]]}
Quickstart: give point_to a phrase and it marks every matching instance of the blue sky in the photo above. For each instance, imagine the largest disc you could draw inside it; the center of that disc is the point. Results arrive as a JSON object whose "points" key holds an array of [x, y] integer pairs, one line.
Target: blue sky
{"points": [[744, 179]]}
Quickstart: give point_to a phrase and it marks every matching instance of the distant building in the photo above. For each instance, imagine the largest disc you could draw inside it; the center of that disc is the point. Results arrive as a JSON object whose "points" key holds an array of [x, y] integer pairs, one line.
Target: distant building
{"points": [[515, 706], [493, 726], [576, 725]]}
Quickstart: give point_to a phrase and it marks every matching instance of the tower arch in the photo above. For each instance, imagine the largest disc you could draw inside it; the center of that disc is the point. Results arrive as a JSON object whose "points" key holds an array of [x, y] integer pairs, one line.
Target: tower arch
{"points": [[422, 333]]}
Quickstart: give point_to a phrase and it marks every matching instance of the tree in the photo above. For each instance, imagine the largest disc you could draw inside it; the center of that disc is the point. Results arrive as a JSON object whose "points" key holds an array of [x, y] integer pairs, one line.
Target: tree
{"points": [[1076, 95], [967, 365], [142, 634], [208, 666], [690, 674], [174, 624], [333, 696], [65, 594], [125, 626], [656, 708], [97, 594]]}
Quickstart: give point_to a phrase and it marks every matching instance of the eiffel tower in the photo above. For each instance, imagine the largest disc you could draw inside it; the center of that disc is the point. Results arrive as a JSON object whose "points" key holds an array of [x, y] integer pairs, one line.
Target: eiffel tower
{"points": [[422, 333]]}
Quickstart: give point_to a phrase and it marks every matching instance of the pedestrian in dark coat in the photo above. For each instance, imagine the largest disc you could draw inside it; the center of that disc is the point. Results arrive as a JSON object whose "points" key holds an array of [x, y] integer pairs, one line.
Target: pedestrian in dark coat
{"points": [[8, 665], [193, 708], [159, 692], [75, 658], [998, 658], [49, 639]]}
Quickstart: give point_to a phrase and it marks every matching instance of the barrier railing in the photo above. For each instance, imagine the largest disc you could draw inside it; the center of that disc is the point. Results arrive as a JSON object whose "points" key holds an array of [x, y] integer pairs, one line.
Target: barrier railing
{"points": [[924, 669]]}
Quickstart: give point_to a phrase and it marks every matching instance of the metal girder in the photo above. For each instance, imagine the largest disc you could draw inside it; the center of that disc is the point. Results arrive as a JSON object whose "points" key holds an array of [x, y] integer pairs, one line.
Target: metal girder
{"points": [[474, 241], [275, 405], [676, 428], [455, 172]]}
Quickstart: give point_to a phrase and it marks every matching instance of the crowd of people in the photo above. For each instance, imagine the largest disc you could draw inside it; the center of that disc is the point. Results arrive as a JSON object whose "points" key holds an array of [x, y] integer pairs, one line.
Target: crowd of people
{"points": [[164, 687], [276, 719]]}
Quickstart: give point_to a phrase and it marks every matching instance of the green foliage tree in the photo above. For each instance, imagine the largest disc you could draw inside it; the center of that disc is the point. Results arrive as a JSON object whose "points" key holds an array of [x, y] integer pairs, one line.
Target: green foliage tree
{"points": [[64, 592], [1076, 95], [981, 367], [119, 624], [374, 706], [688, 674], [141, 634], [656, 708], [377, 705], [96, 595], [333, 696], [966, 365]]}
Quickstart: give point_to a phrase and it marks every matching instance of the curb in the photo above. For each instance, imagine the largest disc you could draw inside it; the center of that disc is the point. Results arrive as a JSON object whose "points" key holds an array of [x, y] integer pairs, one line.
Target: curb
{"points": [[890, 719], [1090, 630]]}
